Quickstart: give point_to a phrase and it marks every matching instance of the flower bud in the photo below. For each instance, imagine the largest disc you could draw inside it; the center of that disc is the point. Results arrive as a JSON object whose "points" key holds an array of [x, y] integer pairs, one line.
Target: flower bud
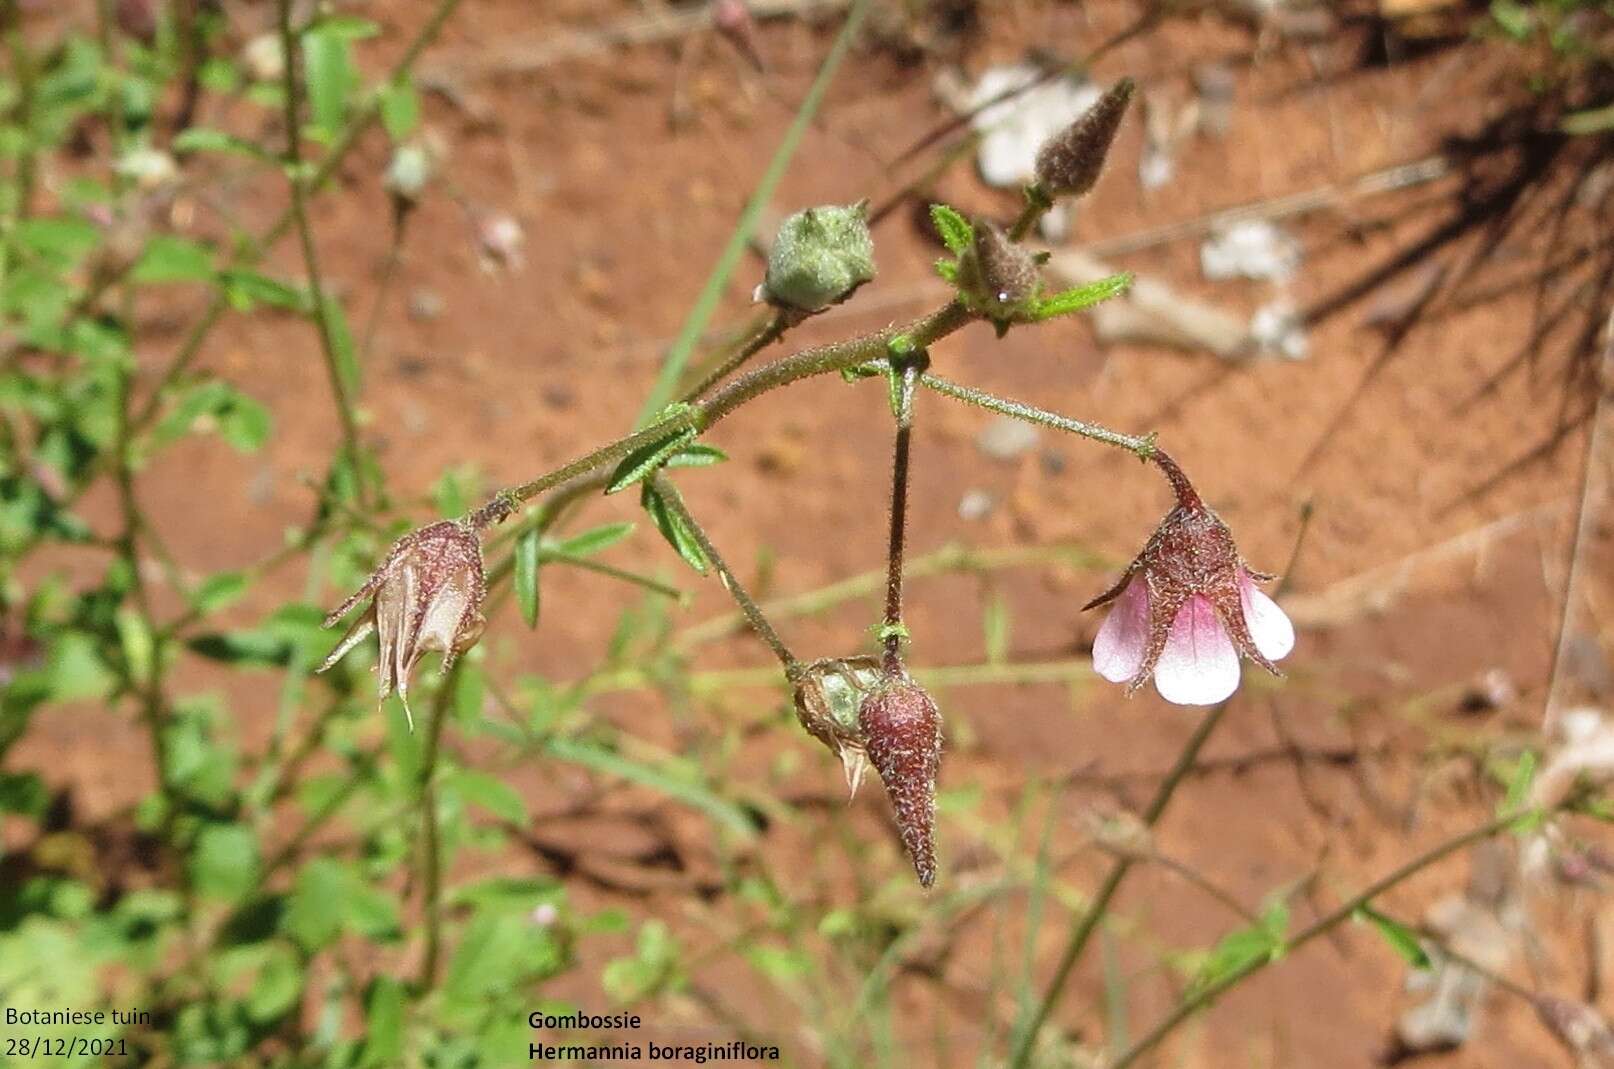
{"points": [[902, 732], [828, 693], [426, 595], [1069, 163], [265, 58], [997, 277], [819, 257], [408, 172]]}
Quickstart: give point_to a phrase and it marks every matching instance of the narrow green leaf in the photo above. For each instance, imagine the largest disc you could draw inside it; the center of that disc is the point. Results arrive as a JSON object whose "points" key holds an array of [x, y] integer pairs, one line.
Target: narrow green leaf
{"points": [[1401, 938], [243, 422], [329, 75], [955, 230], [674, 530], [1524, 774], [245, 289], [204, 139], [593, 541], [648, 459], [347, 360], [1586, 123], [400, 109], [384, 1023], [696, 455], [224, 861], [526, 576], [139, 650], [1074, 300], [170, 259], [218, 590], [492, 794]]}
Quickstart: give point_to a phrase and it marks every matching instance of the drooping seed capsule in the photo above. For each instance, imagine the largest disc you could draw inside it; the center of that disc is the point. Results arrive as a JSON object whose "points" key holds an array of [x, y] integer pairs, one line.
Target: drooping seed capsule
{"points": [[1070, 162], [828, 693], [426, 595], [902, 732]]}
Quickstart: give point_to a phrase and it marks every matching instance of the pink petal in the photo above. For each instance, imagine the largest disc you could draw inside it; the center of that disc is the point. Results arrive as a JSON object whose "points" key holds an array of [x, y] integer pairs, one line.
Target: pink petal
{"points": [[1199, 665], [1274, 635], [1124, 636]]}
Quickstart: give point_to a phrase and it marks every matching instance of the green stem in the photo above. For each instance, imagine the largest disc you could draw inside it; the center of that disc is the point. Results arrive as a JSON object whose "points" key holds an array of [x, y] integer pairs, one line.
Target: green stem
{"points": [[1082, 931], [367, 114], [1037, 205], [770, 332], [1141, 446], [702, 414], [601, 568], [291, 89], [1323, 925], [432, 847], [731, 582]]}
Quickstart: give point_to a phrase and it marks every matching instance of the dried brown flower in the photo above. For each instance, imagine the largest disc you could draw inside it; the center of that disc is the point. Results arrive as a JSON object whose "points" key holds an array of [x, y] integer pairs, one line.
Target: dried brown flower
{"points": [[426, 595]]}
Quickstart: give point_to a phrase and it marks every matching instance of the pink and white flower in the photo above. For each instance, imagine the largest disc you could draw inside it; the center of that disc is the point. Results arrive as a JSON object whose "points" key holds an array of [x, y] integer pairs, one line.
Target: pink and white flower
{"points": [[1187, 607]]}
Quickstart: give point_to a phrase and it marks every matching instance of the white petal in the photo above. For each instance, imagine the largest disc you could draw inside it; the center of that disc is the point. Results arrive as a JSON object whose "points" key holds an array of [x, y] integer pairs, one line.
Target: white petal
{"points": [[1274, 635], [1124, 636], [1199, 665]]}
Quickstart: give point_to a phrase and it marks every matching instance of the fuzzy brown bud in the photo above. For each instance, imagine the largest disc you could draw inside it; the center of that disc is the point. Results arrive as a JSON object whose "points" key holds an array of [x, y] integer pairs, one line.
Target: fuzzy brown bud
{"points": [[997, 277], [1069, 163], [426, 595], [902, 732]]}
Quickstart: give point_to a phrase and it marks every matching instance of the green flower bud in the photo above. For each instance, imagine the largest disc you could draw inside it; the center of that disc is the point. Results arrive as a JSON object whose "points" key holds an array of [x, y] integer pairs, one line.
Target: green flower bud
{"points": [[996, 277], [820, 256]]}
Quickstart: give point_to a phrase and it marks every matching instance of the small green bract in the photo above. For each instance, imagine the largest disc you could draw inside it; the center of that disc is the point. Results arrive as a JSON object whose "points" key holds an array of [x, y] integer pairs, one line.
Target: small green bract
{"points": [[820, 256]]}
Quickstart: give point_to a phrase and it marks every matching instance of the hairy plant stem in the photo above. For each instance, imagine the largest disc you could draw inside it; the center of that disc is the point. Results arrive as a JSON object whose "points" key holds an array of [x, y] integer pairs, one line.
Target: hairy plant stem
{"points": [[892, 631], [1141, 446], [291, 89], [731, 582], [704, 413], [1322, 926], [1037, 205], [431, 842], [770, 331], [1082, 930], [367, 114]]}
